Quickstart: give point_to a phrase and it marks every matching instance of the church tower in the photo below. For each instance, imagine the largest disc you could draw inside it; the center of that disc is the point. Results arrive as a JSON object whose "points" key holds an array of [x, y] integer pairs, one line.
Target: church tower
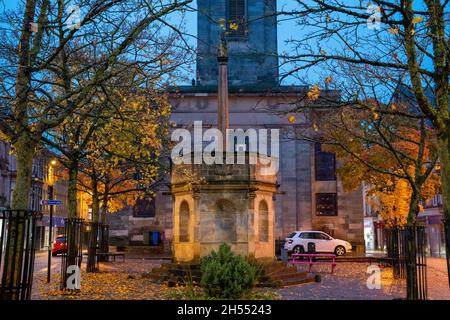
{"points": [[251, 29]]}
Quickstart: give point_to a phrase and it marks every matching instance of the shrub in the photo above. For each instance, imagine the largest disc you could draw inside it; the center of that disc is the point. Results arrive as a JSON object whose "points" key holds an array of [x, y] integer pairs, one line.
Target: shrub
{"points": [[226, 275]]}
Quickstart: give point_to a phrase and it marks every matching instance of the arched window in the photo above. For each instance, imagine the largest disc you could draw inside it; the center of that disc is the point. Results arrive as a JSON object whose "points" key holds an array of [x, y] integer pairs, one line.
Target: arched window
{"points": [[225, 229], [184, 222], [263, 218]]}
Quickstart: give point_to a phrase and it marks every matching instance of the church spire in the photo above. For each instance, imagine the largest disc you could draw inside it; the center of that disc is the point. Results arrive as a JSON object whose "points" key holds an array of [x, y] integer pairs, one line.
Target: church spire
{"points": [[222, 112]]}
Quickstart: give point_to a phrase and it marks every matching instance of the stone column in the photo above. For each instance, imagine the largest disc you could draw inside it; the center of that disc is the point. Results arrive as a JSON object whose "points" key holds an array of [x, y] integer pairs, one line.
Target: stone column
{"points": [[222, 112], [252, 227]]}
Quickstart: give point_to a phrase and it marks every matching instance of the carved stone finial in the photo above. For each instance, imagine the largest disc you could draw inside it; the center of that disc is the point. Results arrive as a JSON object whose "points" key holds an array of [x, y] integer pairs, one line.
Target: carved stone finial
{"points": [[222, 52]]}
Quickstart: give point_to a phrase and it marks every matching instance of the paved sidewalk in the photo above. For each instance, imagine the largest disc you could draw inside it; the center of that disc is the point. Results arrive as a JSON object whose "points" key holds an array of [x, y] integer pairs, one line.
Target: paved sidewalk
{"points": [[347, 283], [350, 282]]}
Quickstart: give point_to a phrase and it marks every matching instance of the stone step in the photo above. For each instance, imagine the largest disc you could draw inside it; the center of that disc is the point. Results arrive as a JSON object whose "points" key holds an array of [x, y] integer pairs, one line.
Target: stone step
{"points": [[279, 270], [289, 276], [297, 281], [279, 267], [275, 274]]}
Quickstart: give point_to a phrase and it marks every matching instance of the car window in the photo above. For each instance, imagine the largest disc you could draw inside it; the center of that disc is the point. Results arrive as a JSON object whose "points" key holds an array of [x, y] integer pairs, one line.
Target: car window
{"points": [[322, 236], [307, 235], [292, 235]]}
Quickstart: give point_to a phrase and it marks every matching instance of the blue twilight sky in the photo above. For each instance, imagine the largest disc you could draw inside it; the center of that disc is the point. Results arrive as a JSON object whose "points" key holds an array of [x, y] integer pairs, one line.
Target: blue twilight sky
{"points": [[287, 29], [284, 29]]}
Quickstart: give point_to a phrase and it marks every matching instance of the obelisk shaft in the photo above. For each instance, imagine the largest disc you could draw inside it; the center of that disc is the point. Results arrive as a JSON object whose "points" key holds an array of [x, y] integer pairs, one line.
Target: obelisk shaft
{"points": [[222, 112]]}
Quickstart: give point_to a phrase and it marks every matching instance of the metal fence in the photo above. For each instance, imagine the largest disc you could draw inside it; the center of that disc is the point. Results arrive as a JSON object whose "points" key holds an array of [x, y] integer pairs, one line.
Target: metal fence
{"points": [[17, 249], [104, 241], [407, 249], [73, 230], [447, 246], [93, 230]]}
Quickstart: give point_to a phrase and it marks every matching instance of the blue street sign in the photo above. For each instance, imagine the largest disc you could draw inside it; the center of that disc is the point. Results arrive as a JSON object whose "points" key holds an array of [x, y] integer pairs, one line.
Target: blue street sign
{"points": [[51, 202]]}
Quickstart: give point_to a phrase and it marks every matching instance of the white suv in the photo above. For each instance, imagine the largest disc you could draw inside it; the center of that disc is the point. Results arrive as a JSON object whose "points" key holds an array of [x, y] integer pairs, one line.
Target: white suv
{"points": [[297, 242]]}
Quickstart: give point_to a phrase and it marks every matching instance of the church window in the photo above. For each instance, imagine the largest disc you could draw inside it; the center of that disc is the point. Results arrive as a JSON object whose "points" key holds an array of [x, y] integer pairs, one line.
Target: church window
{"points": [[144, 208], [325, 163], [236, 24], [326, 204]]}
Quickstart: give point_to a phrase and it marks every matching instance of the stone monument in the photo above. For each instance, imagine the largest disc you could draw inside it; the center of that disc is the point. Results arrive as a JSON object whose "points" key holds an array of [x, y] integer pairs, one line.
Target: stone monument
{"points": [[223, 203]]}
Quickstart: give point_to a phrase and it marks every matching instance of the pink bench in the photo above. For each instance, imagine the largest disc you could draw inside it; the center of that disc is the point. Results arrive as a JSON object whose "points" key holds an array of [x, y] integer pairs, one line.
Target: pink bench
{"points": [[311, 257]]}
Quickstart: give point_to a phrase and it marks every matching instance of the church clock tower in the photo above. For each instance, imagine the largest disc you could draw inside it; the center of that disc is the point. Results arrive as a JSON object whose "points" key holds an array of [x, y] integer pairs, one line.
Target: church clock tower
{"points": [[251, 29]]}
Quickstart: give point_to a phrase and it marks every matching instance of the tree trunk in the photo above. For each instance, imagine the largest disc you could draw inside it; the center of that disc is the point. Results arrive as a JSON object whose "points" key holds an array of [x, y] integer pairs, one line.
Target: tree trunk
{"points": [[73, 245], [411, 250], [444, 157], [72, 189], [25, 148], [92, 250], [104, 239], [413, 208]]}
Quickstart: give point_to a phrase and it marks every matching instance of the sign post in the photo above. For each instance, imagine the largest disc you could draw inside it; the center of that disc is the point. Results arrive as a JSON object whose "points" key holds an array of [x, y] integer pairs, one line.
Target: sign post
{"points": [[50, 202]]}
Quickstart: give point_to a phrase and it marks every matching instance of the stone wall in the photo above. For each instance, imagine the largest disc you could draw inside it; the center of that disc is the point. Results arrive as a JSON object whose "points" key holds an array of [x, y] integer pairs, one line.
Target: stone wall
{"points": [[295, 199], [223, 208]]}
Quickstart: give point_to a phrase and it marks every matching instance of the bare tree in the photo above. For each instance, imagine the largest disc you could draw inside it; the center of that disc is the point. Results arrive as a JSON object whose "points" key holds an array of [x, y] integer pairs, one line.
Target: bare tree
{"points": [[44, 79], [402, 42]]}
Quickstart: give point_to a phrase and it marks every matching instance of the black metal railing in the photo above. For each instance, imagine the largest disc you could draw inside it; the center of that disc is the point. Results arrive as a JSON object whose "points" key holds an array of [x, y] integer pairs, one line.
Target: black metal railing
{"points": [[447, 245], [104, 241], [406, 247], [92, 229], [395, 251], [17, 249], [279, 244], [73, 230]]}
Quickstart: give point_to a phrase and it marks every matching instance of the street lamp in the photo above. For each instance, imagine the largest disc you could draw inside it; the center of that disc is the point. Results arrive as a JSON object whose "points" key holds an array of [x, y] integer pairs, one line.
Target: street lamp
{"points": [[51, 182]]}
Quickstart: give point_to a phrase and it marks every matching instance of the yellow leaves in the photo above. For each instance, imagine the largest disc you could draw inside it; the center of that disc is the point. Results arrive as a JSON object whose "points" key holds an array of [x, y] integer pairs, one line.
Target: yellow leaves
{"points": [[328, 18], [221, 23], [315, 127], [234, 26], [292, 119], [313, 93], [413, 32], [393, 30], [417, 20], [394, 203], [323, 52], [393, 106], [328, 79]]}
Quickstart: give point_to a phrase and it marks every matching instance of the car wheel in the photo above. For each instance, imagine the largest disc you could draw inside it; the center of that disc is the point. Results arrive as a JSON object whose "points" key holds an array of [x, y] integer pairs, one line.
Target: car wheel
{"points": [[298, 249], [339, 251]]}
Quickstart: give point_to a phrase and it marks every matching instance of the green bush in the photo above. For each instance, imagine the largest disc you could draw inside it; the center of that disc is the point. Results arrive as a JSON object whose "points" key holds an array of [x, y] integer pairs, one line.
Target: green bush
{"points": [[226, 275]]}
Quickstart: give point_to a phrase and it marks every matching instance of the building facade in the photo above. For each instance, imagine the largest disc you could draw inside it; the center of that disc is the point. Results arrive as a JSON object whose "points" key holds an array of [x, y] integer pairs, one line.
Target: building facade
{"points": [[310, 195], [44, 172]]}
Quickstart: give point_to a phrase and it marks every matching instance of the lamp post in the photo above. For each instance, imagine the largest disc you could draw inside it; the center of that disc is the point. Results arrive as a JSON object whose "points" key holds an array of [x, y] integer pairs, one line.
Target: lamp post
{"points": [[50, 233]]}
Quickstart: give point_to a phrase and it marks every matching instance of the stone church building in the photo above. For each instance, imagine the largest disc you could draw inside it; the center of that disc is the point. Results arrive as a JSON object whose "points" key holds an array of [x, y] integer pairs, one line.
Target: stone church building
{"points": [[309, 194]]}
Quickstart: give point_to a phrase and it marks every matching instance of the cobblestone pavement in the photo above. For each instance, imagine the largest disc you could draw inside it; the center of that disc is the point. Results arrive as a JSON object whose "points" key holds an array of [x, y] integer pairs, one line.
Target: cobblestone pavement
{"points": [[116, 280], [350, 282], [438, 286]]}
